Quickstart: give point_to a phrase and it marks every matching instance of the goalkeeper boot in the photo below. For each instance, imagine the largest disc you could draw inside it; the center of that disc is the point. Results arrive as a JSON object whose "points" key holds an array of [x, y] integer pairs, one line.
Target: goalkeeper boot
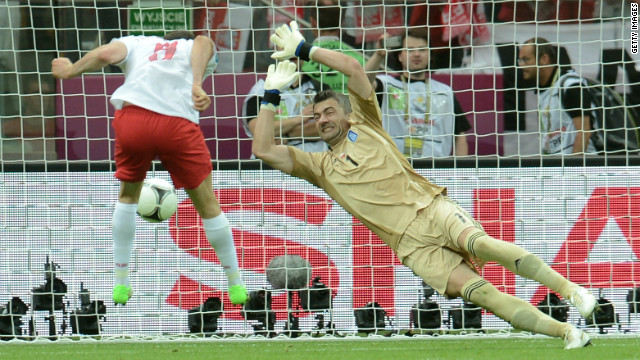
{"points": [[238, 294], [584, 301], [575, 338], [121, 294]]}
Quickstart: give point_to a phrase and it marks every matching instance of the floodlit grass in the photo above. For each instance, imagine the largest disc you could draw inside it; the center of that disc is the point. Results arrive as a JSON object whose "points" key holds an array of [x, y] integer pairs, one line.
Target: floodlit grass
{"points": [[334, 349]]}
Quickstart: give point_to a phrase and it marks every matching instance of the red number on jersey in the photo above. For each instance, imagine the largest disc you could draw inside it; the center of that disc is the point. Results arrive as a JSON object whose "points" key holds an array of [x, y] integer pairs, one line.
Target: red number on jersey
{"points": [[168, 48]]}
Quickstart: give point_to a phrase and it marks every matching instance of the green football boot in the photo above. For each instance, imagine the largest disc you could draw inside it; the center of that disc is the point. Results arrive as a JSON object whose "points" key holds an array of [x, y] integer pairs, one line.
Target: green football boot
{"points": [[121, 294], [238, 294]]}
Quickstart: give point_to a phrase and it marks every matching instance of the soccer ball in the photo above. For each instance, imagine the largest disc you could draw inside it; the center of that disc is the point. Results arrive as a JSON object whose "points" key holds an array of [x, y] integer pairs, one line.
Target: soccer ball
{"points": [[158, 200]]}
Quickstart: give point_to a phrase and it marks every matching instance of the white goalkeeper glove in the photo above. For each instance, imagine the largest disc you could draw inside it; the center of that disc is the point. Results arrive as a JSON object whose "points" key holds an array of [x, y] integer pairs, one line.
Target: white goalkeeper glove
{"points": [[291, 41], [279, 78]]}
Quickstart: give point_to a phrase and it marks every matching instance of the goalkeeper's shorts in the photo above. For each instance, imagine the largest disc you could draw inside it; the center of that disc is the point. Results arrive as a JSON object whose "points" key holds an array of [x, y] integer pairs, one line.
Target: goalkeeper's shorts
{"points": [[429, 245], [143, 135]]}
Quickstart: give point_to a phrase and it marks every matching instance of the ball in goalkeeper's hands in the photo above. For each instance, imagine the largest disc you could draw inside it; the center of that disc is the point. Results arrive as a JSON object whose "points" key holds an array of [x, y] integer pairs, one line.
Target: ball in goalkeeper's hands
{"points": [[281, 76]]}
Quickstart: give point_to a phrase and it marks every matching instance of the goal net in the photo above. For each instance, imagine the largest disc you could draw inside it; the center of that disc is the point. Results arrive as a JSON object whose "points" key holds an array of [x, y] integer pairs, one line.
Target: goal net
{"points": [[578, 212]]}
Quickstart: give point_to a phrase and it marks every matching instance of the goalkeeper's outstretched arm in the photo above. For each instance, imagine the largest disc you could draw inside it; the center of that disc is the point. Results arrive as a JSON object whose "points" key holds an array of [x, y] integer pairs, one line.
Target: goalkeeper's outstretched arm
{"points": [[278, 79], [358, 81], [292, 43]]}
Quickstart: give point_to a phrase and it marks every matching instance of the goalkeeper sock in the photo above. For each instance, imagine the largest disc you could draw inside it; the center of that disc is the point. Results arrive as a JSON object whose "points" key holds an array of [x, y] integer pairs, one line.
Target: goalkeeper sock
{"points": [[521, 314], [220, 237], [123, 228], [518, 261], [532, 267]]}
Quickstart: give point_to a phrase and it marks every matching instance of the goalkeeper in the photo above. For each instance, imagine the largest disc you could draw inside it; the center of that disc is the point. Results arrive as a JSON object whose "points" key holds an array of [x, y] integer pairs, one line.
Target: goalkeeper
{"points": [[367, 175], [157, 114]]}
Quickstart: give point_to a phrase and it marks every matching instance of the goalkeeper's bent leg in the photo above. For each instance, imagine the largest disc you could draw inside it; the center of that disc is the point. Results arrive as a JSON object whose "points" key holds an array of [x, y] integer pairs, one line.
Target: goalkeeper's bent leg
{"points": [[521, 314], [518, 261]]}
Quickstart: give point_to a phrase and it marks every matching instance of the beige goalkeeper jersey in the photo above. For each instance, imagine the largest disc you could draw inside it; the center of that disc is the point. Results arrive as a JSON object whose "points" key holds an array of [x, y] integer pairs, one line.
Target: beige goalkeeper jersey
{"points": [[367, 175]]}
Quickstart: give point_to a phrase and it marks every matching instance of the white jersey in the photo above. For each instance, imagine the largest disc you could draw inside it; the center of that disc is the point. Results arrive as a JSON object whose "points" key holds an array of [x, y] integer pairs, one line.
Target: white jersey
{"points": [[292, 101], [419, 116], [558, 132], [158, 76]]}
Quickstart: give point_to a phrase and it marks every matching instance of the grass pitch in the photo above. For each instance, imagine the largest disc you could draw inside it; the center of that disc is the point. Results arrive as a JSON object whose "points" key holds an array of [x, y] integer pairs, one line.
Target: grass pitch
{"points": [[606, 347]]}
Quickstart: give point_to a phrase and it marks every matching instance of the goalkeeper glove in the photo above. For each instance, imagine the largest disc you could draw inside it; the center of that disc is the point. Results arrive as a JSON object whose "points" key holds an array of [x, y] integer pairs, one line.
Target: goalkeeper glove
{"points": [[279, 78], [289, 38]]}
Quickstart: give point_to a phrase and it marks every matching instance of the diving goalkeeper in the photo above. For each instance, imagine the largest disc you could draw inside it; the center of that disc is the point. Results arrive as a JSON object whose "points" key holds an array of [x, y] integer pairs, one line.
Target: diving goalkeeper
{"points": [[366, 174]]}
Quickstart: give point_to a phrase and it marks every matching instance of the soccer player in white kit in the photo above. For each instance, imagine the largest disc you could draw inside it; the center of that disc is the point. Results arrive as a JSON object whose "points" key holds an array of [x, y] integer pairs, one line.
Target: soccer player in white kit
{"points": [[157, 115]]}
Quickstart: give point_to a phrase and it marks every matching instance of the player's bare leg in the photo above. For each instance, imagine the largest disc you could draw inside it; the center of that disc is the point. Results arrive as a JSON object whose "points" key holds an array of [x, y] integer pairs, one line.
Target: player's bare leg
{"points": [[218, 233], [525, 264]]}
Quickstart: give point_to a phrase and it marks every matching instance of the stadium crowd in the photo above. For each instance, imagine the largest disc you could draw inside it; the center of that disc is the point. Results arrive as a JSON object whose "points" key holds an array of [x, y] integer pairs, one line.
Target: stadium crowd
{"points": [[455, 28]]}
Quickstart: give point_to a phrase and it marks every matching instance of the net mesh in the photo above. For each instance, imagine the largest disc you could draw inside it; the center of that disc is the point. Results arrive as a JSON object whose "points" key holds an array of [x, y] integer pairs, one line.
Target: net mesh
{"points": [[58, 188]]}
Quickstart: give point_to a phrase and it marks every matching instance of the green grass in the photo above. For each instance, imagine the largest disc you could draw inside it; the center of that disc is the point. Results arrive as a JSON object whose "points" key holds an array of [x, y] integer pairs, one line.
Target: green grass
{"points": [[402, 348]]}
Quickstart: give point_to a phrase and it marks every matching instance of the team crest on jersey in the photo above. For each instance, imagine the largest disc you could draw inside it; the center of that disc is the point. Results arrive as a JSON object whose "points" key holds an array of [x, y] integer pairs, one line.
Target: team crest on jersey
{"points": [[352, 136]]}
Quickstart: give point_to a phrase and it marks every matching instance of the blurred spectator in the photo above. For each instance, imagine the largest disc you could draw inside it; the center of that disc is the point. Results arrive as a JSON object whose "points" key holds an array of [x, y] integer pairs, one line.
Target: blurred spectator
{"points": [[546, 11], [26, 135], [265, 16], [421, 114], [564, 103], [295, 125], [429, 15], [453, 26], [326, 25]]}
